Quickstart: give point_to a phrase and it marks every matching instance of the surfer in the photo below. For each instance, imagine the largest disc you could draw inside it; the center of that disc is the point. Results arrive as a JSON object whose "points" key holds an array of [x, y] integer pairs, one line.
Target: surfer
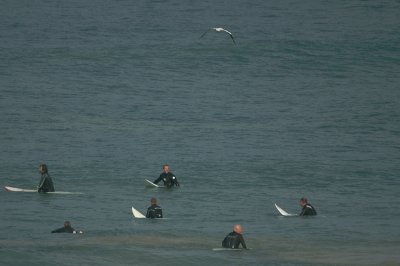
{"points": [[46, 184], [235, 238], [307, 209], [154, 211], [167, 177], [66, 229]]}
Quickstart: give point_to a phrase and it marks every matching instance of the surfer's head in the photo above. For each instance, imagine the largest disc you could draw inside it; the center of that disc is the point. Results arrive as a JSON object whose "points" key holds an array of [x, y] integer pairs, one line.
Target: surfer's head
{"points": [[238, 228], [165, 168], [67, 224], [303, 201], [43, 169], [153, 201]]}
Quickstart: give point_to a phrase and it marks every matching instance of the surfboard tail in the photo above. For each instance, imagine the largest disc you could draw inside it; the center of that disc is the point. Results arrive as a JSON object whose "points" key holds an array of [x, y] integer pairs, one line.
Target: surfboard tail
{"points": [[283, 212], [137, 214]]}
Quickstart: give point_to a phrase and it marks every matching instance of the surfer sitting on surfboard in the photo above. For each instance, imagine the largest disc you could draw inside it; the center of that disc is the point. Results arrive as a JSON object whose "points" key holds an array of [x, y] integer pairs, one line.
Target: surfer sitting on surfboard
{"points": [[66, 229], [307, 208], [46, 184], [167, 177], [235, 238], [154, 211]]}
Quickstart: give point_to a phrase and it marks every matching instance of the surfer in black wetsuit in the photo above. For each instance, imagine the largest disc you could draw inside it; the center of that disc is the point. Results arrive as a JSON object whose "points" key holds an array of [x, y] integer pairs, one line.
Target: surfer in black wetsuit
{"points": [[167, 177], [307, 209], [66, 229], [154, 211], [235, 238], [46, 184]]}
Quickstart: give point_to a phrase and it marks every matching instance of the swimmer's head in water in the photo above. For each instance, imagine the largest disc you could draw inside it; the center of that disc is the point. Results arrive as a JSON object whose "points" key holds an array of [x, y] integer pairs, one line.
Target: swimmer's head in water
{"points": [[303, 201], [165, 168], [153, 201], [67, 224], [238, 228], [43, 169]]}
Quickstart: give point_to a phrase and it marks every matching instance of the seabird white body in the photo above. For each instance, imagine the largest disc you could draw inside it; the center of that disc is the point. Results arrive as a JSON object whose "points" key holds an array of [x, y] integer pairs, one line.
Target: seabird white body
{"points": [[219, 30]]}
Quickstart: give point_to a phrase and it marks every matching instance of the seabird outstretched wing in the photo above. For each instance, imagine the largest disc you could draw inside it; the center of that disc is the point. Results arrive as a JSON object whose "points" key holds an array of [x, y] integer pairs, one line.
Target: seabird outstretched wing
{"points": [[204, 33], [230, 34]]}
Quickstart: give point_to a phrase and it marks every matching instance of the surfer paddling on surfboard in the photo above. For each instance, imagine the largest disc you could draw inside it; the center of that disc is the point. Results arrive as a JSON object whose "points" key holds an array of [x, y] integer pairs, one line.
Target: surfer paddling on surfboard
{"points": [[67, 229], [154, 211], [307, 209], [167, 177], [46, 184], [235, 238]]}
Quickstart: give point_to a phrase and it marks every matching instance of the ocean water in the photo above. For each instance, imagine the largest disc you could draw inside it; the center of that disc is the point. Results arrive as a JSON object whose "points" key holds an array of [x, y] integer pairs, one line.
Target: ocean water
{"points": [[307, 103]]}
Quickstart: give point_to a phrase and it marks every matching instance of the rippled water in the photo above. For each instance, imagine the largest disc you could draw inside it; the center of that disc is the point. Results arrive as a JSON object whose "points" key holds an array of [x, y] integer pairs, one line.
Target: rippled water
{"points": [[105, 92]]}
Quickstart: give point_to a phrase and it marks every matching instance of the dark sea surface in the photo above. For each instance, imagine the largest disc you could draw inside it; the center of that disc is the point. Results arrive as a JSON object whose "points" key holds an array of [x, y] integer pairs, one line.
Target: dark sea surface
{"points": [[307, 103]]}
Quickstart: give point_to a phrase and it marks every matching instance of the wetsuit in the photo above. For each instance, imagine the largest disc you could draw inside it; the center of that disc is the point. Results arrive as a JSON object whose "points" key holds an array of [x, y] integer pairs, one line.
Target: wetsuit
{"points": [[308, 210], [46, 184], [169, 179], [154, 211], [64, 229], [233, 240]]}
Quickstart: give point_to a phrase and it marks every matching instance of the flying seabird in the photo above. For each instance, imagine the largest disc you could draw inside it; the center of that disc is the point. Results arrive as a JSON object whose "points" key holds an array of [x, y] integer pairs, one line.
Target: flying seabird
{"points": [[219, 29]]}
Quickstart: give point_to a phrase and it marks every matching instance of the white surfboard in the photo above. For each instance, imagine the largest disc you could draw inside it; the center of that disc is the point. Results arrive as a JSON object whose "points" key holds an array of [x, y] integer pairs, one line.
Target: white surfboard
{"points": [[151, 184], [137, 214], [283, 212], [15, 189]]}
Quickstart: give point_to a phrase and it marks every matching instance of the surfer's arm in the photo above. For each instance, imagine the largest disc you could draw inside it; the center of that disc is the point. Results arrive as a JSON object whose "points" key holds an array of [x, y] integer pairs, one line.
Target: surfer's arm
{"points": [[175, 181], [150, 213], [311, 210], [307, 210], [59, 230], [41, 183], [158, 179], [241, 239]]}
